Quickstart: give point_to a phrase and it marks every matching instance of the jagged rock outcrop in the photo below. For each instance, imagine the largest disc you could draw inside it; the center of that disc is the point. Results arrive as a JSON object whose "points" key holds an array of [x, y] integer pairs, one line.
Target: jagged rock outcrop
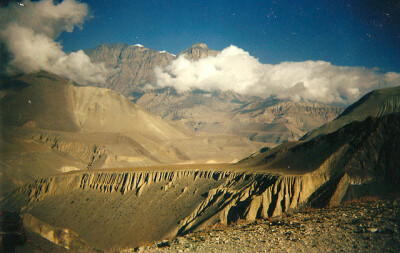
{"points": [[161, 203], [357, 160], [198, 51], [340, 229], [360, 159]]}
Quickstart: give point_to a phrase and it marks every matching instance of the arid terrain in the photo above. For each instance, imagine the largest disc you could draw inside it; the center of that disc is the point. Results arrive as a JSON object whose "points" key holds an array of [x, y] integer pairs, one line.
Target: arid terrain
{"points": [[107, 203], [365, 225], [199, 126], [51, 125]]}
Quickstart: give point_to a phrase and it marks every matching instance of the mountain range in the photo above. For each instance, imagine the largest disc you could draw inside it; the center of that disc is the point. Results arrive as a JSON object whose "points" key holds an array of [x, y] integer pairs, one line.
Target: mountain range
{"points": [[139, 205], [94, 169], [268, 120]]}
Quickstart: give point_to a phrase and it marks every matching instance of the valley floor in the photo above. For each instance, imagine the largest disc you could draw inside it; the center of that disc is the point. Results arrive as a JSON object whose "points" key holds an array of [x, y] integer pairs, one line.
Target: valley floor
{"points": [[370, 225]]}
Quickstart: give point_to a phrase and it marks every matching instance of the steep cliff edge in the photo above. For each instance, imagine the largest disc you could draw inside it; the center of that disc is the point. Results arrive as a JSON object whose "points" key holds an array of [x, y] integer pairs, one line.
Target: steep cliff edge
{"points": [[126, 208], [361, 159]]}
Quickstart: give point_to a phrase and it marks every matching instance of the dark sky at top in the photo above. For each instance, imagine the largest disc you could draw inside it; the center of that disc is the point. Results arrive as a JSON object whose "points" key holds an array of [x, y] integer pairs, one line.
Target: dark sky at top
{"points": [[343, 32]]}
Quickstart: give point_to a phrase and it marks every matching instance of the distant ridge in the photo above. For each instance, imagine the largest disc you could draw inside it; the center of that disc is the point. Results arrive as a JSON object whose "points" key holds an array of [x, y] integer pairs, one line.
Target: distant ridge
{"points": [[131, 67], [268, 120], [198, 51], [376, 103]]}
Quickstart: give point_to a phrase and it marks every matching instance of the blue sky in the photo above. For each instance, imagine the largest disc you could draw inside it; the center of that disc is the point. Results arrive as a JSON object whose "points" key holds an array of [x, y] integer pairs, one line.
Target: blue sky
{"points": [[339, 31]]}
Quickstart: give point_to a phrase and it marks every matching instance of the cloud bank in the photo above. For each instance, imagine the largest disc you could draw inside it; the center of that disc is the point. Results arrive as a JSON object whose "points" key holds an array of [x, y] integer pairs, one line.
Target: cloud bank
{"points": [[28, 32], [236, 70]]}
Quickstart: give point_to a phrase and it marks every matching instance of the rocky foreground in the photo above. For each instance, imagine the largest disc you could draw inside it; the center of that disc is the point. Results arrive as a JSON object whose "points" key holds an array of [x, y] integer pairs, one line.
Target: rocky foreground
{"points": [[369, 225]]}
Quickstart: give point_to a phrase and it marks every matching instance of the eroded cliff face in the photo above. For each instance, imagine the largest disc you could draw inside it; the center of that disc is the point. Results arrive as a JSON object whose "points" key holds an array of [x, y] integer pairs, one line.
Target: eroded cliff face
{"points": [[117, 209], [124, 208]]}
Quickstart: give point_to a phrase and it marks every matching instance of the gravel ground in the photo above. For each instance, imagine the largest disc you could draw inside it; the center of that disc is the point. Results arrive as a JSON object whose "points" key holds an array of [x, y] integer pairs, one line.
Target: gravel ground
{"points": [[362, 226]]}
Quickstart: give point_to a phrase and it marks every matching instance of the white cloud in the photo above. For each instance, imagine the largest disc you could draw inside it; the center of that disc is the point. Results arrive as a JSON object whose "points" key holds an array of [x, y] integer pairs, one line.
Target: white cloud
{"points": [[28, 31], [236, 70]]}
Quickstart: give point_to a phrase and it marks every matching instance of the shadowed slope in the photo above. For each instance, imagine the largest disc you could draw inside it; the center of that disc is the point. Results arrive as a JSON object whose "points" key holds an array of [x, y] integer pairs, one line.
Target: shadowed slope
{"points": [[377, 103], [37, 101], [361, 158]]}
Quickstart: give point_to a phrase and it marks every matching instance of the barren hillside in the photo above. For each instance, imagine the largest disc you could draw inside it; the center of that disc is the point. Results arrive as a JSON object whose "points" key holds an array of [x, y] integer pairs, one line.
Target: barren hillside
{"points": [[377, 103], [52, 125], [145, 204]]}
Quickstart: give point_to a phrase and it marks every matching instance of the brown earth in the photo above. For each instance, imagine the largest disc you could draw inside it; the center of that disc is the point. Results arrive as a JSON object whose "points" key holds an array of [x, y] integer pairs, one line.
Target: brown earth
{"points": [[367, 225], [364, 225], [50, 125], [118, 208]]}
